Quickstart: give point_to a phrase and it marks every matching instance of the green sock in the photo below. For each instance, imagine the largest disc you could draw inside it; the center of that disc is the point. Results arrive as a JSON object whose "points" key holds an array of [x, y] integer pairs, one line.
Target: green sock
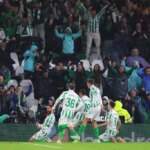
{"points": [[72, 132], [96, 133], [61, 130], [61, 134], [81, 129]]}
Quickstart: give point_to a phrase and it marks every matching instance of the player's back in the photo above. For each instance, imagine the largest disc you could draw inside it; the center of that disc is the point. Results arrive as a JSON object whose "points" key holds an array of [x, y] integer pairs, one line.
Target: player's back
{"points": [[70, 100], [86, 104], [95, 96], [113, 119]]}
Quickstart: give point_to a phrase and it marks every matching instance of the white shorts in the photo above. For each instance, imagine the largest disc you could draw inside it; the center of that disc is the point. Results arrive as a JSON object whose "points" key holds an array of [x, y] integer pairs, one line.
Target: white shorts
{"points": [[78, 118], [94, 113], [107, 135], [76, 122], [64, 120], [41, 135]]}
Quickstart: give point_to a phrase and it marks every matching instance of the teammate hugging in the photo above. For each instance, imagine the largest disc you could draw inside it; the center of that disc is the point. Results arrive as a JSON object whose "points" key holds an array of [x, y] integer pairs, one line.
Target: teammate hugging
{"points": [[78, 110]]}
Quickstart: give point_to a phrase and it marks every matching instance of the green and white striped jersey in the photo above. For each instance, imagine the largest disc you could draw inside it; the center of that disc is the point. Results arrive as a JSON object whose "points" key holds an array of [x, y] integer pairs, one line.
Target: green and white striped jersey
{"points": [[113, 120], [95, 96], [70, 101], [86, 104], [80, 115], [48, 122], [93, 22]]}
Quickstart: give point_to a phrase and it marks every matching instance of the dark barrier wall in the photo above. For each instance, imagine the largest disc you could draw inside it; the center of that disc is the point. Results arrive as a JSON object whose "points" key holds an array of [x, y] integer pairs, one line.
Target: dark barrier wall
{"points": [[22, 132]]}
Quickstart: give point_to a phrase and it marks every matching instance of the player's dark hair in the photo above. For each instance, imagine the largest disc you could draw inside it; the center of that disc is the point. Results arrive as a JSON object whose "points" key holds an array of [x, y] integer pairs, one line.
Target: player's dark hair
{"points": [[83, 91], [71, 86], [112, 104], [91, 81]]}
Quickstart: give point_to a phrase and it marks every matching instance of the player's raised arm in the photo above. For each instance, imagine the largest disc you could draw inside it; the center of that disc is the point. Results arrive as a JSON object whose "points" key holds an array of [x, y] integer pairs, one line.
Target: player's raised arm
{"points": [[61, 97]]}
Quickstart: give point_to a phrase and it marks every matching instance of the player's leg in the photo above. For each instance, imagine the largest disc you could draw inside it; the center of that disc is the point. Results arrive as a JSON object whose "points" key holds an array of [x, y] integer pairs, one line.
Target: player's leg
{"points": [[104, 137], [63, 125], [112, 134], [96, 130], [120, 140], [83, 126], [38, 136], [96, 114], [81, 129], [75, 123], [47, 138], [61, 129]]}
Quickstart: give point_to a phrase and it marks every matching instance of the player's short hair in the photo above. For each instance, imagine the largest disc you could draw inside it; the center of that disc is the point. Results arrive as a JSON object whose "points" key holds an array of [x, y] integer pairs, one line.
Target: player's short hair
{"points": [[91, 81], [71, 86], [112, 104], [83, 91]]}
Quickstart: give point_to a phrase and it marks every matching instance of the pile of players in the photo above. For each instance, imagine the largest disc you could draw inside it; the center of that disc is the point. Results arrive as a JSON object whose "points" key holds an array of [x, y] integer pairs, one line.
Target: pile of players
{"points": [[78, 110]]}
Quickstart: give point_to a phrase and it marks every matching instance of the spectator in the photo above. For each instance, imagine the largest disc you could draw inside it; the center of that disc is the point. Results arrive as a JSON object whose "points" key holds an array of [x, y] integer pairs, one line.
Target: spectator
{"points": [[9, 29], [140, 40], [147, 102], [120, 83], [5, 57], [2, 95], [5, 72], [29, 66], [97, 75], [137, 107], [12, 99], [58, 77], [136, 57], [68, 43], [134, 81], [108, 32], [122, 112], [80, 78], [2, 35], [93, 28], [145, 76], [121, 44], [38, 17], [24, 29], [45, 86]]}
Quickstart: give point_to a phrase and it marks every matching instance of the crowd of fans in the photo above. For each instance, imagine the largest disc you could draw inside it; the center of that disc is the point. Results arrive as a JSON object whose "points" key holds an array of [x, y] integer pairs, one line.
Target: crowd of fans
{"points": [[55, 42]]}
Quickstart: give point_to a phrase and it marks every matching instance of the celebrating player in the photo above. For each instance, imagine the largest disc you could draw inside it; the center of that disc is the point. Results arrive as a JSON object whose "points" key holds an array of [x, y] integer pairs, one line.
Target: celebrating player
{"points": [[45, 128], [70, 101], [80, 115], [112, 124], [94, 112]]}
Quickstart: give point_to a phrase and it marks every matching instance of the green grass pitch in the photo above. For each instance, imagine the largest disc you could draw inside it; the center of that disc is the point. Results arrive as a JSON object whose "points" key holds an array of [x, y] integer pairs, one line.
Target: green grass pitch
{"points": [[73, 146]]}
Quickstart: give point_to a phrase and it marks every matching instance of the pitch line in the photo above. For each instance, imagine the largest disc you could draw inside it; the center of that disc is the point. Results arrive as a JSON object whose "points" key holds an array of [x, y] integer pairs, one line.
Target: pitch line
{"points": [[49, 146]]}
